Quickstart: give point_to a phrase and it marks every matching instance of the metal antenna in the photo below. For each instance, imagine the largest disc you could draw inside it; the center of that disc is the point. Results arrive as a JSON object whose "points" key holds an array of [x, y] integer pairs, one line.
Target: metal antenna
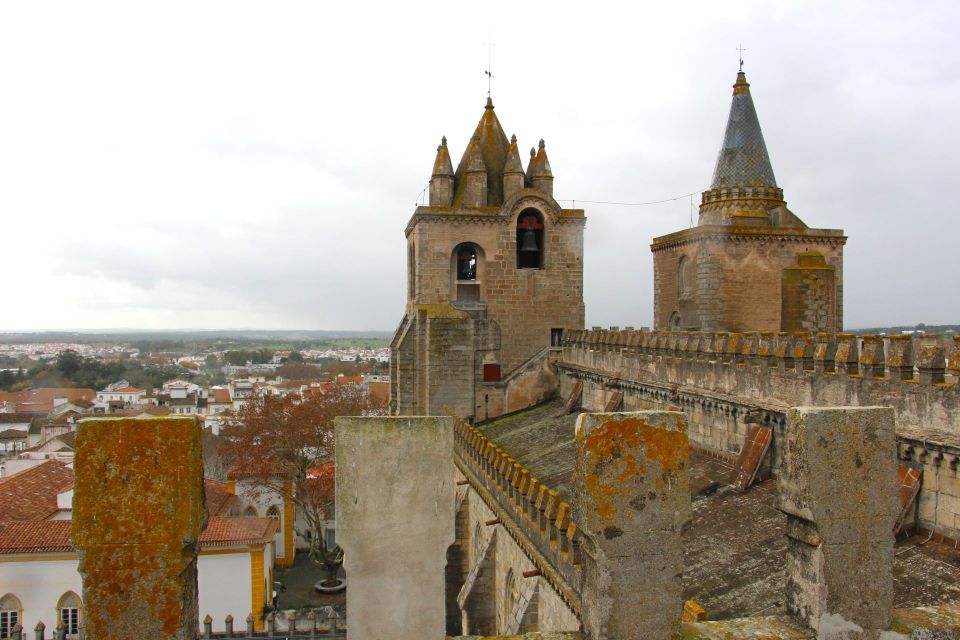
{"points": [[489, 70], [741, 50]]}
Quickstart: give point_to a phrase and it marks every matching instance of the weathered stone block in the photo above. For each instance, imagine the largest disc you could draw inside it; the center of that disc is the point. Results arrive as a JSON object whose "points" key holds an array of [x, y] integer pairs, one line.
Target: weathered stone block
{"points": [[632, 498], [138, 510], [395, 520], [838, 487]]}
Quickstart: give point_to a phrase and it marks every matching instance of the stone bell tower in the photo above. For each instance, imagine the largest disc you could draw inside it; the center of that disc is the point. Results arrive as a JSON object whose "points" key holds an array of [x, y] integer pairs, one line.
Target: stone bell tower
{"points": [[750, 264], [494, 275]]}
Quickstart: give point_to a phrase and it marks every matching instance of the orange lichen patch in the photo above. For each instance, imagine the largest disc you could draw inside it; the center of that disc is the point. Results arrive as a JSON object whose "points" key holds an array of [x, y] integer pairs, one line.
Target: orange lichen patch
{"points": [[138, 511], [619, 454], [693, 612]]}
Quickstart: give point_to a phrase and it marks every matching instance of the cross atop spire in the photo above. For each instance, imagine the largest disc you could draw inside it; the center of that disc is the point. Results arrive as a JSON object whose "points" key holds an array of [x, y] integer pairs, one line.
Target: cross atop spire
{"points": [[741, 50]]}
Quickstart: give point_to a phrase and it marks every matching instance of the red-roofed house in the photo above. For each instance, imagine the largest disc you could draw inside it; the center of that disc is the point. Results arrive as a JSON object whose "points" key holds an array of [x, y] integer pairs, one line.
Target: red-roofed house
{"points": [[119, 395], [38, 565]]}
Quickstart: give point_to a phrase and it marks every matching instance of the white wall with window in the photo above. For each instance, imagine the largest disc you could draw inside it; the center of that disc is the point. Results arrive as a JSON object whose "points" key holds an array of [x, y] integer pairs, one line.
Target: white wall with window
{"points": [[40, 583]]}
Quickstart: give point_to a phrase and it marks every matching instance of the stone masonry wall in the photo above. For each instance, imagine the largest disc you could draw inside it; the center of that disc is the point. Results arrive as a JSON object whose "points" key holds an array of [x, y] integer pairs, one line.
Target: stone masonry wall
{"points": [[738, 278], [526, 303], [723, 381], [553, 614]]}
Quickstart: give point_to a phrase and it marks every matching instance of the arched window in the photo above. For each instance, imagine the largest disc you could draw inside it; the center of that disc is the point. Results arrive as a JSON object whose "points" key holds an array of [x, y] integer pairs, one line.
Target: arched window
{"points": [[250, 512], [10, 612], [674, 322], [477, 547], [530, 240], [509, 596], [467, 263], [685, 278], [273, 513], [68, 612]]}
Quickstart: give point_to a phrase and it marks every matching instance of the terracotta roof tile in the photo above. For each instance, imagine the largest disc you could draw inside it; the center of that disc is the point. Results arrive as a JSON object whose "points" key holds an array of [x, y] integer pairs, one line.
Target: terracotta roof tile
{"points": [[42, 536], [228, 532], [48, 394], [46, 536], [219, 499], [32, 493]]}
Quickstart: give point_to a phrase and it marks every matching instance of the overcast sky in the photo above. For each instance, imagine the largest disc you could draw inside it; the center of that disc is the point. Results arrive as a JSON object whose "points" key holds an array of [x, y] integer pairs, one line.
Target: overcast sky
{"points": [[253, 165]]}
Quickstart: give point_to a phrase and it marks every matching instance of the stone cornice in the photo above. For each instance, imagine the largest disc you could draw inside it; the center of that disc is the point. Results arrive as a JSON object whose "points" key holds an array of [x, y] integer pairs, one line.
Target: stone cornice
{"points": [[727, 233]]}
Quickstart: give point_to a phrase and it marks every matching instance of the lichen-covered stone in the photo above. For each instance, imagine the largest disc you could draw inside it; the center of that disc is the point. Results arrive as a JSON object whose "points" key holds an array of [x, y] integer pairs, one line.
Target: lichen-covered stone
{"points": [[632, 498], [138, 511], [838, 489]]}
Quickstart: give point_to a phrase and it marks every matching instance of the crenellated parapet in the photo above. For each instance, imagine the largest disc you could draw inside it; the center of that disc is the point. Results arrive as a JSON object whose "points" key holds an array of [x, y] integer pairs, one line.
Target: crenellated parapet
{"points": [[920, 360], [532, 512]]}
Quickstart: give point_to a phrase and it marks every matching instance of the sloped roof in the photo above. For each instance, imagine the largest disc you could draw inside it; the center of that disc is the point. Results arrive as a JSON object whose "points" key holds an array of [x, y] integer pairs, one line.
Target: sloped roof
{"points": [[229, 532], [743, 159], [45, 536], [493, 145], [49, 393], [32, 493], [50, 536], [219, 499], [16, 418]]}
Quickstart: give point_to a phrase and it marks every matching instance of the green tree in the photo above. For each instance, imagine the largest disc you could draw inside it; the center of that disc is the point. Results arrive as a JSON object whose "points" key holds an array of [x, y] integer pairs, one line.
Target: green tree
{"points": [[69, 363]]}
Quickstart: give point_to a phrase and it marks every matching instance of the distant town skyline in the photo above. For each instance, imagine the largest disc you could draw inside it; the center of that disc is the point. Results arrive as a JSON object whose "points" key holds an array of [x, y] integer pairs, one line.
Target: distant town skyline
{"points": [[233, 165]]}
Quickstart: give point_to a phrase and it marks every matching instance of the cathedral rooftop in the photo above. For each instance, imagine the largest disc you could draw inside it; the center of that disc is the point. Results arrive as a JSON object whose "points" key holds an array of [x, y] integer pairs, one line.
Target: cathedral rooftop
{"points": [[743, 159], [734, 543]]}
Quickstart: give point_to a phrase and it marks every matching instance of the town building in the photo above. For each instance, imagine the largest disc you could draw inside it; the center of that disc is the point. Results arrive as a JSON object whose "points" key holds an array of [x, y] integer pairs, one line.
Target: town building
{"points": [[38, 562]]}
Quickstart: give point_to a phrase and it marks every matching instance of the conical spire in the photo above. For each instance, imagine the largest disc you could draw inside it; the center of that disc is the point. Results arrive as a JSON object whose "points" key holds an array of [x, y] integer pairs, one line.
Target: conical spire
{"points": [[538, 171], [539, 163], [743, 159], [513, 178], [491, 142], [441, 181], [512, 163], [443, 166], [474, 156]]}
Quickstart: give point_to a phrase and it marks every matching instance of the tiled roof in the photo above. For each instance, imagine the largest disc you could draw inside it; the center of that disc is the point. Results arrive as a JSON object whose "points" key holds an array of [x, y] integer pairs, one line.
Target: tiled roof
{"points": [[743, 159], [219, 499], [229, 532], [16, 418], [47, 536], [221, 395], [43, 536], [127, 390], [13, 434], [32, 493], [35, 407], [48, 394]]}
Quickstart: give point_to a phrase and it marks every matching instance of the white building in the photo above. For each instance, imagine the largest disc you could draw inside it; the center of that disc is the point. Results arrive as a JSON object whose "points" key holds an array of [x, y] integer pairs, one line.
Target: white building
{"points": [[119, 395], [38, 565]]}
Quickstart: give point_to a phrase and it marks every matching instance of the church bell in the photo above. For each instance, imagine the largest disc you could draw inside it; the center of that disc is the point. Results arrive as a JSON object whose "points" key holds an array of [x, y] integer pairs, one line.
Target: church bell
{"points": [[529, 242]]}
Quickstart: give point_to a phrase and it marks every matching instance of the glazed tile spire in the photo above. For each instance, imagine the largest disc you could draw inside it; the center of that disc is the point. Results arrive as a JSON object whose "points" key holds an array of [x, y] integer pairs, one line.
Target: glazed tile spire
{"points": [[743, 159]]}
